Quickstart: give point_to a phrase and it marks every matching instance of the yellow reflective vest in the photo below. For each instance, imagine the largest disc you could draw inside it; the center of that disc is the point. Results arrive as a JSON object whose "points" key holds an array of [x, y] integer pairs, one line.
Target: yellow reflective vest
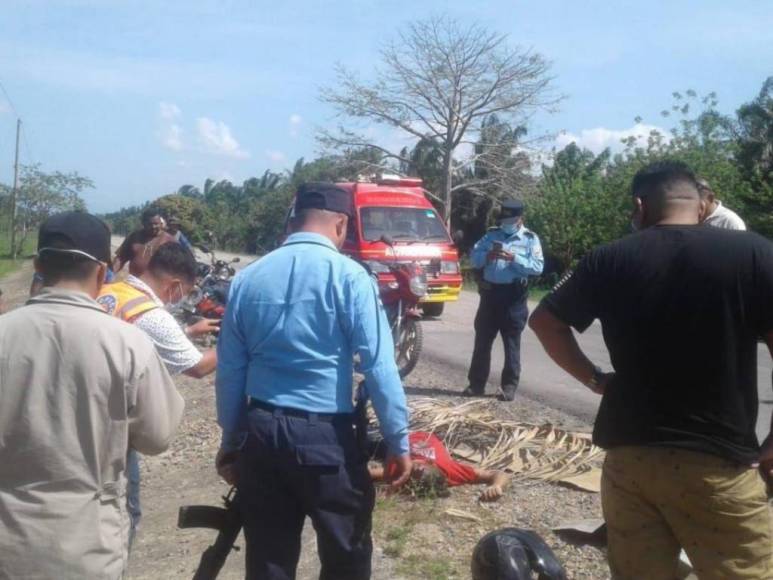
{"points": [[124, 301]]}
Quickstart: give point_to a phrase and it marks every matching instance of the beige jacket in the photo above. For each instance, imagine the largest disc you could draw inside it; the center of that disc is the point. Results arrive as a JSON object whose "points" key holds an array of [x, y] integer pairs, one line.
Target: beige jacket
{"points": [[77, 388]]}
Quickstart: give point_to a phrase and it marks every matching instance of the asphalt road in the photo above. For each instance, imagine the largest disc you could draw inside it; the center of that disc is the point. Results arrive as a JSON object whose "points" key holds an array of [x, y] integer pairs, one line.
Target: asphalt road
{"points": [[449, 340]]}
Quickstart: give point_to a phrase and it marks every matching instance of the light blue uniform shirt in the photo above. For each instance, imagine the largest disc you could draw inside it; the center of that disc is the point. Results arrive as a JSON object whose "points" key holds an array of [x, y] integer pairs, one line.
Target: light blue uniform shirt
{"points": [[523, 244], [294, 321]]}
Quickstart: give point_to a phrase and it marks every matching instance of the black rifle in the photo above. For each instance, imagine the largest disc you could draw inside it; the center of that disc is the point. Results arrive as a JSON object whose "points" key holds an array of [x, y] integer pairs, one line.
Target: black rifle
{"points": [[228, 522], [360, 418]]}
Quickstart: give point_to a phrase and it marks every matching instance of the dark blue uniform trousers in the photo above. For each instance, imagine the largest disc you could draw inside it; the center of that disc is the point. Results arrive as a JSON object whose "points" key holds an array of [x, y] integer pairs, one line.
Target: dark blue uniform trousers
{"points": [[503, 309], [292, 467]]}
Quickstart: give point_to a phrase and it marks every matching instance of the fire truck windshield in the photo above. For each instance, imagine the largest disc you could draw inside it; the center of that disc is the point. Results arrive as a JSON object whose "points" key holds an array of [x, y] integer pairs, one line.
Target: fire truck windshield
{"points": [[402, 224]]}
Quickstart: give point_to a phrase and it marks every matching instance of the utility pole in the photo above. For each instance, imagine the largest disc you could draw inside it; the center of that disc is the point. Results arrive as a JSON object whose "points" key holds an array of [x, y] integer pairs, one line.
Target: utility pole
{"points": [[15, 189]]}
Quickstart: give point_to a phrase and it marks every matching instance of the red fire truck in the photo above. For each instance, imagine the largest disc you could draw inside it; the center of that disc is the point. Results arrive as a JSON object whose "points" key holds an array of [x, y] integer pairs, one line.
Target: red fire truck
{"points": [[398, 208]]}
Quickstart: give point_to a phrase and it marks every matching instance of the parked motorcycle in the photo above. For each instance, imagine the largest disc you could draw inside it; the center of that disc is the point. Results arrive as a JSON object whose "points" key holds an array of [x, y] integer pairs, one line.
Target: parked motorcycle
{"points": [[401, 301], [210, 294], [213, 283]]}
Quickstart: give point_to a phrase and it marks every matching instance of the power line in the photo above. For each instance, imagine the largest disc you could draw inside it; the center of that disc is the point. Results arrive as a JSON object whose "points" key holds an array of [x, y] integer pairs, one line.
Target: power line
{"points": [[24, 134], [8, 98]]}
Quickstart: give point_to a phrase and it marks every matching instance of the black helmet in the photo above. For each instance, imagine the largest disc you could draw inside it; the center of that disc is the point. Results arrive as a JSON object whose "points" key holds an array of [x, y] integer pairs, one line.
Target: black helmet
{"points": [[513, 554]]}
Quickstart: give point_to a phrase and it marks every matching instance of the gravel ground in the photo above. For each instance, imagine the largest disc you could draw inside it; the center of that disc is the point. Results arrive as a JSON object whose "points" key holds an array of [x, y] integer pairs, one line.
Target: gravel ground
{"points": [[413, 538]]}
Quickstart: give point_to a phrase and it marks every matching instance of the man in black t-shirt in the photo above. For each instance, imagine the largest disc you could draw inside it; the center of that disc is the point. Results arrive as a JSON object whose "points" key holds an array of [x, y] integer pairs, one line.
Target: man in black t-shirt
{"points": [[681, 308]]}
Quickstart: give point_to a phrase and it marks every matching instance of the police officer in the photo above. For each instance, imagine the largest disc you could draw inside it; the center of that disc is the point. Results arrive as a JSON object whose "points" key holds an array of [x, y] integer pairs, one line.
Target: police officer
{"points": [[294, 321], [505, 258]]}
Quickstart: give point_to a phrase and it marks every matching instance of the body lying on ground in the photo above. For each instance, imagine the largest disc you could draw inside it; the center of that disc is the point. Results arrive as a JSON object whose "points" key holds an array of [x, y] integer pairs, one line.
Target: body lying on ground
{"points": [[434, 470]]}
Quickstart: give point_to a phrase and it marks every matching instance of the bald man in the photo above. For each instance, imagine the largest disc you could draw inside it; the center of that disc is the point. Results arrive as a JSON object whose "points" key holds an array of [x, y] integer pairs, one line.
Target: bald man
{"points": [[681, 306]]}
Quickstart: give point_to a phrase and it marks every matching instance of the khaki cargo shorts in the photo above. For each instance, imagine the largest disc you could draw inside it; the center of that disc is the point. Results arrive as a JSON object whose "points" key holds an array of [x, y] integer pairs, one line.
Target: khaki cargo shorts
{"points": [[657, 500]]}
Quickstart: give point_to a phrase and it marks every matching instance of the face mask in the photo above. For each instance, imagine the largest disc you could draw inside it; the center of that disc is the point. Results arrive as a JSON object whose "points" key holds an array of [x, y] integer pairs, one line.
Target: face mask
{"points": [[510, 229], [173, 302]]}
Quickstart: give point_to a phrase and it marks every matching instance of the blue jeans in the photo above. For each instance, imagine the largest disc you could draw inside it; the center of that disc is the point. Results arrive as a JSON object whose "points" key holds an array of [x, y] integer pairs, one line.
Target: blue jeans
{"points": [[133, 493]]}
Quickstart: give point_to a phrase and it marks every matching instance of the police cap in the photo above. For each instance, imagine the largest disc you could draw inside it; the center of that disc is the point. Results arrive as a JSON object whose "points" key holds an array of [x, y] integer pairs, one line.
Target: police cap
{"points": [[322, 195], [511, 208]]}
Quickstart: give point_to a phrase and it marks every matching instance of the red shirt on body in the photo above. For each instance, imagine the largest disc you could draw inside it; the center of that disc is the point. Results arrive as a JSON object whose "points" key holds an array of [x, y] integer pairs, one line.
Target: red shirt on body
{"points": [[427, 448]]}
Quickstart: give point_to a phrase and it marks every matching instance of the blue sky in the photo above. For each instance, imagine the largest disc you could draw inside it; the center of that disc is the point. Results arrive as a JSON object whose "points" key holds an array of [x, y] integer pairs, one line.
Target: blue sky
{"points": [[146, 95]]}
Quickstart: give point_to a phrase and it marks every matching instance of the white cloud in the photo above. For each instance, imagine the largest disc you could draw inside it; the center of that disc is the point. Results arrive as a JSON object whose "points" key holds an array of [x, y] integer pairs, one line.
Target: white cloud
{"points": [[217, 138], [170, 133], [275, 156], [295, 124], [171, 137], [599, 138], [168, 111]]}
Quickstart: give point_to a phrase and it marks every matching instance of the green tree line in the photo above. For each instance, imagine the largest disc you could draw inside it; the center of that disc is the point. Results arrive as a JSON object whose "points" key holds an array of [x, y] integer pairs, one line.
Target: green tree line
{"points": [[577, 200]]}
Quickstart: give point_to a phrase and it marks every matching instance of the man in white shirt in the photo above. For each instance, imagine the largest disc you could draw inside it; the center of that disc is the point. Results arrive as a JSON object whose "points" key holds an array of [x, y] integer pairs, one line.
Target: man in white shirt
{"points": [[717, 215], [140, 301]]}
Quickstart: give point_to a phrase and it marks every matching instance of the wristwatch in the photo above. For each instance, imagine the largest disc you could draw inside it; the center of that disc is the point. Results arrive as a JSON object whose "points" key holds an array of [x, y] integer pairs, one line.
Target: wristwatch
{"points": [[595, 380]]}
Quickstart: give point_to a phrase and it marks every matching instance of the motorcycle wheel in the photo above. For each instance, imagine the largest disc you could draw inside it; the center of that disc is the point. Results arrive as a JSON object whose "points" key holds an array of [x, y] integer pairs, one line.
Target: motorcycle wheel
{"points": [[433, 309], [408, 347]]}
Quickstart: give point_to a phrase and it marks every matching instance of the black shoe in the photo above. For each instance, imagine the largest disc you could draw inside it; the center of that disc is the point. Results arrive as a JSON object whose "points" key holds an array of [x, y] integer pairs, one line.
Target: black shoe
{"points": [[507, 392], [471, 392]]}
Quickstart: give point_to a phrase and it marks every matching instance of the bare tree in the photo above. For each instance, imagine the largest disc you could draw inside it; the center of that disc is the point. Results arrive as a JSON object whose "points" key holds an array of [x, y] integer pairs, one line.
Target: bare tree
{"points": [[439, 80]]}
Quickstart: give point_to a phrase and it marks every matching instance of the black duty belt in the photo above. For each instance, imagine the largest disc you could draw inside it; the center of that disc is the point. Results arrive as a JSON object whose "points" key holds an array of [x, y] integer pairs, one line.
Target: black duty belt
{"points": [[520, 284], [299, 413]]}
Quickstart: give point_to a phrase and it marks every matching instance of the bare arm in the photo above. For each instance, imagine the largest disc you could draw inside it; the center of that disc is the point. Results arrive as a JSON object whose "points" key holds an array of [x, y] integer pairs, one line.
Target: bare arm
{"points": [[205, 366], [561, 345], [121, 257], [766, 452], [496, 481], [769, 341], [202, 327], [491, 476], [117, 264]]}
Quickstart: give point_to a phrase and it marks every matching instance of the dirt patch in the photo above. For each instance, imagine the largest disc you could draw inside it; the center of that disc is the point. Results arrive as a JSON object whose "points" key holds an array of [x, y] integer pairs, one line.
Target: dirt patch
{"points": [[16, 286]]}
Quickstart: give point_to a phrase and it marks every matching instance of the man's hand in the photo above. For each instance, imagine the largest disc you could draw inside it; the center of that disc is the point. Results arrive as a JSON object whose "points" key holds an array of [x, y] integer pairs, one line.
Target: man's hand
{"points": [[506, 256], [500, 255], [203, 327], [766, 459], [400, 472], [491, 493], [602, 386], [225, 463]]}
